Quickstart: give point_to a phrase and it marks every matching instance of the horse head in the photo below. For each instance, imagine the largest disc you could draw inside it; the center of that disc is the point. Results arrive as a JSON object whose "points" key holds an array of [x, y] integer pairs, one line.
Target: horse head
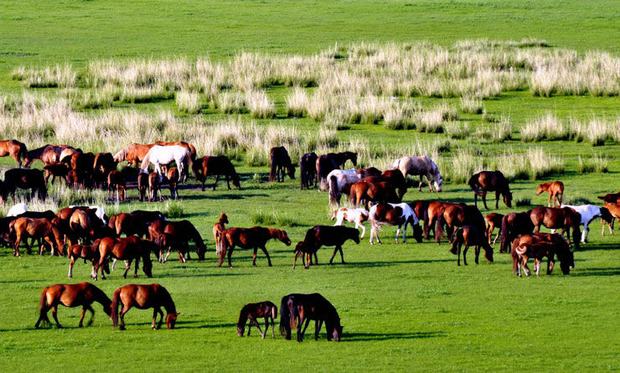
{"points": [[336, 333], [236, 181], [171, 319], [417, 233], [507, 197], [291, 170], [282, 236]]}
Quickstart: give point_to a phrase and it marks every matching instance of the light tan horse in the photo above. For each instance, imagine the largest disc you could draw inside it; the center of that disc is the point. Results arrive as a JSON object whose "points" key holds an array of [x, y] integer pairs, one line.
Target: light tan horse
{"points": [[555, 190]]}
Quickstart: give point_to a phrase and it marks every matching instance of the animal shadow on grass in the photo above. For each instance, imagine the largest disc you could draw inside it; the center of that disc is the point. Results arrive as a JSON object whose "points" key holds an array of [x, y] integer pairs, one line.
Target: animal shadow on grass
{"points": [[203, 324], [396, 262], [598, 272], [603, 246], [363, 337]]}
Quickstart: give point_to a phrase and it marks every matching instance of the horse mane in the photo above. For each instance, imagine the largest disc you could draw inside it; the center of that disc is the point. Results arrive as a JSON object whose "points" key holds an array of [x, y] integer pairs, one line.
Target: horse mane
{"points": [[102, 298], [167, 299], [243, 317]]}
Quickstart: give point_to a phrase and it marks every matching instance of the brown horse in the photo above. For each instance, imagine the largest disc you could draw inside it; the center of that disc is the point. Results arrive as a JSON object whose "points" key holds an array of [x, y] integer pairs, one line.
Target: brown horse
{"points": [[326, 163], [137, 222], [133, 154], [555, 190], [103, 164], [295, 309], [218, 228], [48, 154], [399, 214], [279, 164], [307, 169], [434, 209], [13, 148], [253, 311], [485, 181], [393, 177], [55, 170], [538, 246], [178, 234], [470, 235], [143, 185], [173, 177], [514, 225], [324, 235], [493, 220], [144, 297], [40, 229], [116, 183], [128, 249], [250, 238], [71, 295], [215, 166], [24, 179], [86, 252], [153, 186], [613, 212], [459, 215], [364, 192], [563, 218], [610, 198]]}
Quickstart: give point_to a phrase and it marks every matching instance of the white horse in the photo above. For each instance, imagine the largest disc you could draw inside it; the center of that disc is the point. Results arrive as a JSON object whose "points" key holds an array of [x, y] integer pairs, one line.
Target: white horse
{"points": [[162, 155], [423, 166], [407, 216], [588, 214], [337, 181], [357, 216]]}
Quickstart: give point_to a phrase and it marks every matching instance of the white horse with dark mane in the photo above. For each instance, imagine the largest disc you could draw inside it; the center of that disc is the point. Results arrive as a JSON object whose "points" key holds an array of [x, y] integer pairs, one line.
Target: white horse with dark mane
{"points": [[588, 214], [338, 181], [160, 155], [423, 166]]}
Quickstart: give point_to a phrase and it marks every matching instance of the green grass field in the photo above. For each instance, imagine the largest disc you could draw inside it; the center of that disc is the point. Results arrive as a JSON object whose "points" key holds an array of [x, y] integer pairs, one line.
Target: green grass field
{"points": [[404, 307]]}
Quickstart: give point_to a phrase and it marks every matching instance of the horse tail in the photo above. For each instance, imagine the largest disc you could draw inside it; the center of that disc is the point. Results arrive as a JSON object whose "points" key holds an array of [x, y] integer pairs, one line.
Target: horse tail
{"points": [[503, 244], [334, 193], [274, 311], [473, 183], [285, 318], [42, 306], [116, 300]]}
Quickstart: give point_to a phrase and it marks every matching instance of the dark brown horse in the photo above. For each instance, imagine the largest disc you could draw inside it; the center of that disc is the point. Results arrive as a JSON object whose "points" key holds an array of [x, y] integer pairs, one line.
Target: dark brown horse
{"points": [[493, 220], [487, 181], [470, 235], [86, 252], [137, 222], [56, 170], [459, 215], [364, 192], [514, 224], [307, 169], [610, 198], [143, 185], [116, 183], [324, 235], [555, 190], [154, 187], [538, 246], [178, 234], [326, 163], [40, 229], [297, 309], [128, 249], [280, 164], [83, 294], [103, 164], [13, 148], [143, 297], [253, 311], [173, 178], [564, 218], [393, 177], [215, 166], [24, 179], [82, 173], [250, 238]]}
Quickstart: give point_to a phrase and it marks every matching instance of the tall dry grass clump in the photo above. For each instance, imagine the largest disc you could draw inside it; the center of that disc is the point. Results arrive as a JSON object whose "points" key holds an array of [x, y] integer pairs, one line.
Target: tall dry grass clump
{"points": [[188, 102], [297, 103], [547, 127], [259, 104], [58, 76]]}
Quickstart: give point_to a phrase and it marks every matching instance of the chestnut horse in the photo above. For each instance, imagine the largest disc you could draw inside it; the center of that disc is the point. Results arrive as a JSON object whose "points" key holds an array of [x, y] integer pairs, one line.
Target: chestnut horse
{"points": [[295, 309], [538, 246], [458, 215], [133, 154], [493, 220], [71, 295], [173, 176], [324, 235], [180, 233], [514, 224], [279, 163], [40, 229], [326, 163], [307, 170], [143, 297], [137, 222], [250, 238], [116, 183], [364, 192], [563, 218], [610, 198], [86, 252], [215, 166], [17, 150], [394, 178], [470, 235], [128, 249], [434, 209], [555, 190], [218, 228], [486, 181], [49, 154], [24, 179], [154, 187], [253, 311], [143, 185]]}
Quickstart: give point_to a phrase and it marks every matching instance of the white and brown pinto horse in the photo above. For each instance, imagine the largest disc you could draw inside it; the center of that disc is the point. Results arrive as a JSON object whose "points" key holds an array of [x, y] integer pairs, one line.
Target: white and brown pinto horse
{"points": [[160, 155], [399, 214], [339, 182], [357, 216], [423, 166], [588, 214]]}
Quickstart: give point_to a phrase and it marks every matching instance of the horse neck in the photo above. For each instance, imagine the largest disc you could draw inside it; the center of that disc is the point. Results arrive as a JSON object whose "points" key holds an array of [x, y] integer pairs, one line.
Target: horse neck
{"points": [[101, 298], [243, 317], [167, 302]]}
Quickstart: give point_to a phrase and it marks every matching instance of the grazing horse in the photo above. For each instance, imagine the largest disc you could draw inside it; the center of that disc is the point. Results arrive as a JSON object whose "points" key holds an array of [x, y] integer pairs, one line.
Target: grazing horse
{"points": [[485, 181], [86, 252], [218, 228], [82, 172], [538, 246], [17, 150], [153, 186], [423, 166], [143, 185], [173, 176], [143, 297], [459, 215], [610, 198], [137, 222], [128, 249], [24, 179], [250, 238], [339, 182], [470, 235], [493, 220], [216, 166], [514, 224], [563, 218], [163, 155], [434, 209], [326, 163], [325, 235], [253, 311], [40, 229], [279, 163], [614, 211], [71, 295], [307, 169], [133, 154], [103, 164], [182, 232], [588, 213], [295, 309], [357, 216], [555, 190], [399, 214], [55, 170], [394, 177], [116, 183], [48, 154], [364, 192]]}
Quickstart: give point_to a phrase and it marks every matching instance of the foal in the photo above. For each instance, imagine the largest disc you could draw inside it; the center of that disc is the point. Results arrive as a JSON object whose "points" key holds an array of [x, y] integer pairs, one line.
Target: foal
{"points": [[357, 216], [324, 235], [493, 220], [469, 235], [555, 190], [218, 228], [71, 295], [252, 311]]}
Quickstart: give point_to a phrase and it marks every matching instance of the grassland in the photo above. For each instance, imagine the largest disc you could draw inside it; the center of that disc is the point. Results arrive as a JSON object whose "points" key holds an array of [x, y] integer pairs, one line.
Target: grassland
{"points": [[404, 306]]}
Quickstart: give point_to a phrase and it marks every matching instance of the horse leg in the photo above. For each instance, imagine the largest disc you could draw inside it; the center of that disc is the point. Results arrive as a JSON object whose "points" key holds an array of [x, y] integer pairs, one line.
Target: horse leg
{"points": [[266, 327], [317, 329], [549, 201], [267, 255], [476, 199], [127, 267], [55, 315], [230, 250], [82, 314], [124, 310], [135, 268], [420, 185], [341, 254], [154, 322], [303, 332], [71, 263], [465, 254], [484, 200], [217, 177], [331, 260], [477, 251], [253, 321], [254, 256], [42, 316], [550, 264]]}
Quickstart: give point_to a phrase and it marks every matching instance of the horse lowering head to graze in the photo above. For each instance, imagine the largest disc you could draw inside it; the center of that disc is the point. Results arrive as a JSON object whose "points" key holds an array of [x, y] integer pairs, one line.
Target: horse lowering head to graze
{"points": [[369, 171], [40, 229], [470, 235], [13, 148], [558, 218], [588, 214], [103, 164], [250, 238], [486, 181], [434, 209], [86, 252], [326, 163], [216, 166], [48, 154], [307, 170], [459, 215], [493, 220], [83, 294], [339, 183], [129, 249], [24, 179], [610, 212], [133, 154], [163, 155], [325, 235], [538, 246], [279, 163], [184, 231], [514, 224], [81, 169], [399, 214], [555, 190], [254, 311], [144, 297], [357, 216], [423, 166], [298, 309], [136, 222]]}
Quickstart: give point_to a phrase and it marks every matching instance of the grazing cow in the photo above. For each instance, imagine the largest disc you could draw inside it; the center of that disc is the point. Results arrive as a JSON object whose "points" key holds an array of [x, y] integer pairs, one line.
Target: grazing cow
{"points": [[324, 235], [486, 181], [555, 190], [399, 214], [357, 216], [279, 163], [470, 235], [307, 169]]}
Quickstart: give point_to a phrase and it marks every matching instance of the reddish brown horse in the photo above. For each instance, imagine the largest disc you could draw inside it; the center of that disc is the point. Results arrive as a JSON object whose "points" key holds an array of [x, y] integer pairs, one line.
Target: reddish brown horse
{"points": [[103, 164], [563, 218], [133, 154], [279, 164], [24, 179], [610, 198], [49, 154], [40, 229], [250, 238], [364, 192], [216, 166], [538, 246], [177, 234], [56, 170], [514, 225], [555, 190], [116, 183], [307, 169], [81, 169], [433, 211], [459, 215], [83, 294], [143, 297], [493, 220], [324, 235], [129, 249], [218, 228], [154, 187], [143, 185], [470, 235], [137, 222], [393, 177], [253, 311], [173, 177], [86, 252], [486, 181], [13, 148], [297, 309]]}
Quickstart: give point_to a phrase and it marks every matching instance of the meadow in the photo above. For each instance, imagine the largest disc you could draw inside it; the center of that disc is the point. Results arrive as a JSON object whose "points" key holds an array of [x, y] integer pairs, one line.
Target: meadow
{"points": [[537, 98]]}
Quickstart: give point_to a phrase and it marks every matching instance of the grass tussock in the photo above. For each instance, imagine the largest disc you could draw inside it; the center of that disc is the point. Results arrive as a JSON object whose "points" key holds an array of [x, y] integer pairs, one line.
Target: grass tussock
{"points": [[273, 218], [595, 164]]}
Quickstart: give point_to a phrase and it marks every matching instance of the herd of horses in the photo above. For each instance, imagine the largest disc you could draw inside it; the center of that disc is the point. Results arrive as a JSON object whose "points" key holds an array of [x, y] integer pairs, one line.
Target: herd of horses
{"points": [[374, 197]]}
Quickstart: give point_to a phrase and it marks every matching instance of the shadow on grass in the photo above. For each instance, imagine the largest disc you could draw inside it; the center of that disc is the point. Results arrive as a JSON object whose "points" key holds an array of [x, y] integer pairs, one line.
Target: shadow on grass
{"points": [[597, 272], [203, 324], [395, 262], [603, 246], [362, 337]]}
